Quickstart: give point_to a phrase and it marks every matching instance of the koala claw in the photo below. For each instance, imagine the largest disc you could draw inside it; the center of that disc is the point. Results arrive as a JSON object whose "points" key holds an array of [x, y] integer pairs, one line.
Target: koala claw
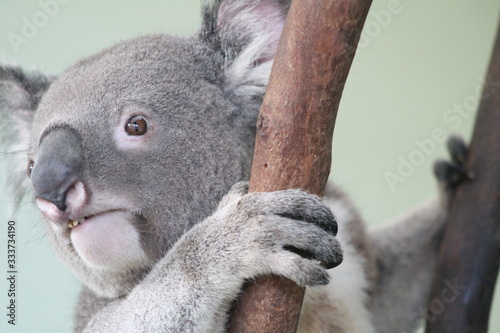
{"points": [[458, 149], [295, 205], [451, 174], [300, 230]]}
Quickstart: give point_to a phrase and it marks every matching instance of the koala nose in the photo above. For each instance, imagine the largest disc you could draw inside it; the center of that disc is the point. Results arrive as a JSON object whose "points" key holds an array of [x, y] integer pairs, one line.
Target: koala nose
{"points": [[57, 172]]}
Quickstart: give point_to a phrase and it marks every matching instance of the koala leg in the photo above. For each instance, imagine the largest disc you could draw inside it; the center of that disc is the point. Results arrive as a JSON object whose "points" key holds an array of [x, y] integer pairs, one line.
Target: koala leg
{"points": [[406, 251]]}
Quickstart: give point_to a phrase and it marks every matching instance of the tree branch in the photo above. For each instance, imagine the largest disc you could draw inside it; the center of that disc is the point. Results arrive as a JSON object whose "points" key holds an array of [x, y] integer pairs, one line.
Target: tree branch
{"points": [[294, 134], [470, 253]]}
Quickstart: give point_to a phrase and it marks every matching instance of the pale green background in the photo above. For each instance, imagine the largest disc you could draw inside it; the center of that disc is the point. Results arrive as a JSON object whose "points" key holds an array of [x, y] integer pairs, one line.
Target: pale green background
{"points": [[412, 68]]}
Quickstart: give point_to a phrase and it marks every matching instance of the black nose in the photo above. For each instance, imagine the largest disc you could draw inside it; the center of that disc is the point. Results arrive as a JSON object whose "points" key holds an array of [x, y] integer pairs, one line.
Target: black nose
{"points": [[58, 165]]}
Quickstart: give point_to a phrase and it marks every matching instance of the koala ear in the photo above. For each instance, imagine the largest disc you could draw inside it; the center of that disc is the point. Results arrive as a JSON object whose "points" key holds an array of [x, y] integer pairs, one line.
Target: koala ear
{"points": [[20, 94], [247, 32]]}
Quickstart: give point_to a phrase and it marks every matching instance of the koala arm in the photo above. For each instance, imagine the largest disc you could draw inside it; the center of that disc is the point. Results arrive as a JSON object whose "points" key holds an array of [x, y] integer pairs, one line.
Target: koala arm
{"points": [[170, 304], [289, 233], [406, 251]]}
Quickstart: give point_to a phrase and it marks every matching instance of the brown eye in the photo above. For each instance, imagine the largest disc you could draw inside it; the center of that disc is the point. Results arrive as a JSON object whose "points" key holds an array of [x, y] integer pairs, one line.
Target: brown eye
{"points": [[137, 125], [31, 164]]}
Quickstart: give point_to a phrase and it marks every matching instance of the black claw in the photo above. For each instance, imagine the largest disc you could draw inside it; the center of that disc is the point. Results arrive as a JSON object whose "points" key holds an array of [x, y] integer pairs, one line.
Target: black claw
{"points": [[453, 173], [330, 226], [328, 263], [327, 223], [301, 252], [450, 174], [457, 149], [334, 263]]}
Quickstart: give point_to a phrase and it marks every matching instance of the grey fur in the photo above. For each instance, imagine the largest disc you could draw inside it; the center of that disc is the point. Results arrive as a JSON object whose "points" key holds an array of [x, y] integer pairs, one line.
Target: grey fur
{"points": [[20, 93], [201, 95]]}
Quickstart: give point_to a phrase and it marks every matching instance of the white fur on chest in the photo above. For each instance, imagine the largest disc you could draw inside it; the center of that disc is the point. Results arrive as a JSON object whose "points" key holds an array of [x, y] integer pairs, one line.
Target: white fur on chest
{"points": [[339, 306]]}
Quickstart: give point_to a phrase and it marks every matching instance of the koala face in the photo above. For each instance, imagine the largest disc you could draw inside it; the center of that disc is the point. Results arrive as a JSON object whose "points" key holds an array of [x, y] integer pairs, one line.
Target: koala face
{"points": [[131, 147], [156, 99]]}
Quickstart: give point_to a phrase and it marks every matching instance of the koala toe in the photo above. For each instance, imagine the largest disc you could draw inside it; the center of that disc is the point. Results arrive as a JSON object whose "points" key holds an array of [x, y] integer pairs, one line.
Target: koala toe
{"points": [[327, 259], [289, 233], [307, 273], [292, 204], [452, 173], [457, 149], [449, 174], [305, 244]]}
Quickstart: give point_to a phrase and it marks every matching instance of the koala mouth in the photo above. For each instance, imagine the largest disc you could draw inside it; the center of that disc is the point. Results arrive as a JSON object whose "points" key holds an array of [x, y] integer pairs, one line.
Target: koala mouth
{"points": [[74, 223]]}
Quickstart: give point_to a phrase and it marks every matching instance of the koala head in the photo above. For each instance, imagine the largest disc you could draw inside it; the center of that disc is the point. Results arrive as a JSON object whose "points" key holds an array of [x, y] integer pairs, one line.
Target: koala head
{"points": [[131, 147]]}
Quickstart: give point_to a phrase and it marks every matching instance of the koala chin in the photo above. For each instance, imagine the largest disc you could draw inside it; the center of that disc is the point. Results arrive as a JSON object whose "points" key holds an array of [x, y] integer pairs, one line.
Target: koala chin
{"points": [[136, 157], [109, 241]]}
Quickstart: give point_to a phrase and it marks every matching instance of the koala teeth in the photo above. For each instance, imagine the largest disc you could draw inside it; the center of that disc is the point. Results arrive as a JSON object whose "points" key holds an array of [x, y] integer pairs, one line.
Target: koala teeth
{"points": [[73, 223]]}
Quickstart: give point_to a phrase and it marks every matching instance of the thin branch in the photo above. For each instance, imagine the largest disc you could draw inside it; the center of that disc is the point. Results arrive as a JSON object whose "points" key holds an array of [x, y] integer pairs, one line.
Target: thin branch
{"points": [[294, 133]]}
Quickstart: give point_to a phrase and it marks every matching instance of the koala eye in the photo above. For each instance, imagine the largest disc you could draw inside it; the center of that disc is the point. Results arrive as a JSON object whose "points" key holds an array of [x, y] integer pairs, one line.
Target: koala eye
{"points": [[31, 164], [137, 125]]}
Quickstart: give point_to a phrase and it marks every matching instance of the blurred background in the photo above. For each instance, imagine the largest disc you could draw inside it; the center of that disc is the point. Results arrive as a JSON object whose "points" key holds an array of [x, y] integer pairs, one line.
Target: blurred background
{"points": [[417, 72]]}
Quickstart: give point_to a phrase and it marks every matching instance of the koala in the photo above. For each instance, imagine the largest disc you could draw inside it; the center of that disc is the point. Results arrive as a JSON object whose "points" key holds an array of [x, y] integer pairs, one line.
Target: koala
{"points": [[136, 157]]}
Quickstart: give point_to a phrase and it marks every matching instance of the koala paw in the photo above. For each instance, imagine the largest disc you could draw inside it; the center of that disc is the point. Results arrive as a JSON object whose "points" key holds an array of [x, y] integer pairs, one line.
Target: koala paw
{"points": [[289, 233], [451, 174]]}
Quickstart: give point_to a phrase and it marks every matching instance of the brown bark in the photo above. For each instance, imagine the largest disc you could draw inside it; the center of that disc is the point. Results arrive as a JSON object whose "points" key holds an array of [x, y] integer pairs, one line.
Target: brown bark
{"points": [[470, 253], [294, 134]]}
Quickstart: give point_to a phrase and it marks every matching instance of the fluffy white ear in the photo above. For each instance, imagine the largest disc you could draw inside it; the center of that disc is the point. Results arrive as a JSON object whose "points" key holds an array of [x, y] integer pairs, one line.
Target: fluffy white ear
{"points": [[247, 31], [20, 94]]}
